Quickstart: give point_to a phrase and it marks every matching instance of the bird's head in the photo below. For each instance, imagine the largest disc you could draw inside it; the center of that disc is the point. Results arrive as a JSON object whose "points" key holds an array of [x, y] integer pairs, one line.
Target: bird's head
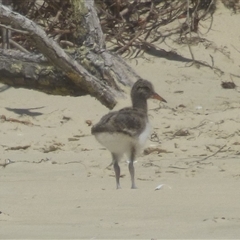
{"points": [[143, 89]]}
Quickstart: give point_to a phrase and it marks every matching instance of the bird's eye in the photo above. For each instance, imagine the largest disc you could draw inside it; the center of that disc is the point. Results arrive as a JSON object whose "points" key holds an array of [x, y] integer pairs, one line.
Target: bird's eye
{"points": [[143, 88], [147, 89]]}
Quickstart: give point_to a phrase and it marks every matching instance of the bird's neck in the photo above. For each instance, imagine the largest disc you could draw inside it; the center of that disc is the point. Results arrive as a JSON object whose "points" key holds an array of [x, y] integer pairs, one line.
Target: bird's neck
{"points": [[140, 103]]}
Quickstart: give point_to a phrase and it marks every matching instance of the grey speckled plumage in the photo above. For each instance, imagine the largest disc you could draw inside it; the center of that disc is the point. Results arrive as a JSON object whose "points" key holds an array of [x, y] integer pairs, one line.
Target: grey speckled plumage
{"points": [[129, 121], [126, 131]]}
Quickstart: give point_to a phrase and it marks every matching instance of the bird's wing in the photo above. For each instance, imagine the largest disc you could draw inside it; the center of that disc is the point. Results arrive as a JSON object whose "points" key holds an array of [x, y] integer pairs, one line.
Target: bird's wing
{"points": [[129, 121]]}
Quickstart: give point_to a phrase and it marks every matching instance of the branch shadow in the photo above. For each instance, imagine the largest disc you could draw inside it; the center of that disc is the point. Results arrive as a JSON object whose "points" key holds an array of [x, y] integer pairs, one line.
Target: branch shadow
{"points": [[25, 111], [4, 88], [169, 55]]}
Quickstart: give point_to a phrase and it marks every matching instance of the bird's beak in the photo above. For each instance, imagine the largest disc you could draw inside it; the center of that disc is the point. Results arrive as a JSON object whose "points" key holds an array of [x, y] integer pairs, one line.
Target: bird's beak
{"points": [[156, 96]]}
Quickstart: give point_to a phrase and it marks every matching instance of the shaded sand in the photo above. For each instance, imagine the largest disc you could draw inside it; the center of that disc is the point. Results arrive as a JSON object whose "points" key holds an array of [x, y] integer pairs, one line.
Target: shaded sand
{"points": [[59, 186]]}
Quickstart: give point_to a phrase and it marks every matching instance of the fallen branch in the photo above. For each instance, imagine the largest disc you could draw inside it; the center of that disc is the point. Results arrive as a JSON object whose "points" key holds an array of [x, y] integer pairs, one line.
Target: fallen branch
{"points": [[56, 55]]}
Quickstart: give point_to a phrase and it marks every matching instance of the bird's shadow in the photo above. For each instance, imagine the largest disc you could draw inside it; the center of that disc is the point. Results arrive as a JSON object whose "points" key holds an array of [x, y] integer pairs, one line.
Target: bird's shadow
{"points": [[25, 111]]}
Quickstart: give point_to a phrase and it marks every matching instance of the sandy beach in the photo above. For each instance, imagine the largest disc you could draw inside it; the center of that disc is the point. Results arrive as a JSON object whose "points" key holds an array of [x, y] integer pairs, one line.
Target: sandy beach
{"points": [[54, 176]]}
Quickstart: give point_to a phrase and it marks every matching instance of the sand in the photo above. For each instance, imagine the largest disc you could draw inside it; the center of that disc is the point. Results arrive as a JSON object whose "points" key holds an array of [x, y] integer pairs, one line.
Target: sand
{"points": [[58, 186]]}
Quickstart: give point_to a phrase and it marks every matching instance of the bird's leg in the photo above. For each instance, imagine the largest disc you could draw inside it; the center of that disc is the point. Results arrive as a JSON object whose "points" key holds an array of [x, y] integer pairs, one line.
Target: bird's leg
{"points": [[117, 174], [116, 169], [131, 167]]}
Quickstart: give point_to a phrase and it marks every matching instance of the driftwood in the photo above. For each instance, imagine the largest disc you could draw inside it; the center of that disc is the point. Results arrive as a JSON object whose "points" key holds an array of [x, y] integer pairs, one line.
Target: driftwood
{"points": [[63, 73], [30, 71], [61, 45]]}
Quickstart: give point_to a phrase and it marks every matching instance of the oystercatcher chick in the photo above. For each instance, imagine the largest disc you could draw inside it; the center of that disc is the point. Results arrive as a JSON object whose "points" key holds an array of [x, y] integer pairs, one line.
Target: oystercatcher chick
{"points": [[126, 131]]}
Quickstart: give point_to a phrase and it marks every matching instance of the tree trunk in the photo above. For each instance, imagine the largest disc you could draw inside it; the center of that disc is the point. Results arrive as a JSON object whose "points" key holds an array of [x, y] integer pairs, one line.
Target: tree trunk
{"points": [[88, 69]]}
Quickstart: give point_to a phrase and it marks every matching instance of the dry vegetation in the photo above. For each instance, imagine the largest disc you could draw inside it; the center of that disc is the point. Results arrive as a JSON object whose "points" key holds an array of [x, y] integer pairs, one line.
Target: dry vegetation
{"points": [[130, 26], [232, 4], [137, 25]]}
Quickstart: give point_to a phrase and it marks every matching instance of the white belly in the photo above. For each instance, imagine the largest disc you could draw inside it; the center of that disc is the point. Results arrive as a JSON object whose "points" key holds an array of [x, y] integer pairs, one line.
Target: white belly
{"points": [[121, 143], [144, 135]]}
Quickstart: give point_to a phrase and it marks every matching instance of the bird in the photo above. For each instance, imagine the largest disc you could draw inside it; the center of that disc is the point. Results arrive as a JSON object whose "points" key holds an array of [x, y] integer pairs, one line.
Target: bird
{"points": [[125, 132]]}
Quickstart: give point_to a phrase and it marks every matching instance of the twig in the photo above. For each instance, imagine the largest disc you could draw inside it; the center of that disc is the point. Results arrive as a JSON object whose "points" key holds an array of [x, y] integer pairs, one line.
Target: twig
{"points": [[19, 147], [132, 40], [235, 48], [16, 45], [189, 31], [67, 43], [4, 118], [181, 168], [198, 161], [14, 29]]}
